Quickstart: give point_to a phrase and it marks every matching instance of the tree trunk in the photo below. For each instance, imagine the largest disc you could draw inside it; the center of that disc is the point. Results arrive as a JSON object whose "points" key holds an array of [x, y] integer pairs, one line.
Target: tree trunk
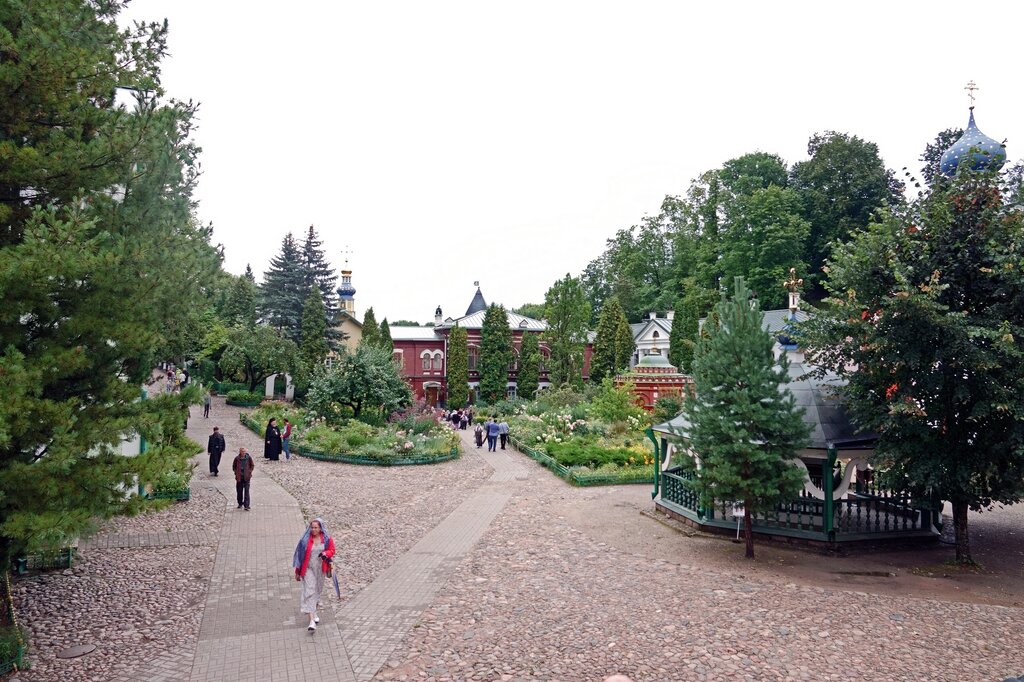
{"points": [[748, 529], [963, 540]]}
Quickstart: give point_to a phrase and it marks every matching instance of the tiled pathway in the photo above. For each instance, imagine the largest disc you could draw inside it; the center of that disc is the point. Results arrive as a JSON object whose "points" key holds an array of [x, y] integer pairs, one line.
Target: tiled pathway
{"points": [[251, 628]]}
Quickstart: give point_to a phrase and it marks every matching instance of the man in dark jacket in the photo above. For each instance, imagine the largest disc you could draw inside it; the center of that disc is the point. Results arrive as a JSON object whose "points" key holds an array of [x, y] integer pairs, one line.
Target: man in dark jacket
{"points": [[243, 466], [215, 446]]}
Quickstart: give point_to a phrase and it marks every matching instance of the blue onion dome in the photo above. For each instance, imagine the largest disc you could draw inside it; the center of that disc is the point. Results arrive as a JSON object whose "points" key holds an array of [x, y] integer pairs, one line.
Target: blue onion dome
{"points": [[789, 336], [346, 289], [984, 152]]}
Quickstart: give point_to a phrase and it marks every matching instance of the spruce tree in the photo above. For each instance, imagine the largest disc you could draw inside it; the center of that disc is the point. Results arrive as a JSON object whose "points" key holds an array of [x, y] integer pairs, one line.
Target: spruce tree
{"points": [[316, 271], [284, 290], [744, 429], [604, 361], [385, 336], [371, 332], [529, 366], [495, 354], [458, 367], [314, 347]]}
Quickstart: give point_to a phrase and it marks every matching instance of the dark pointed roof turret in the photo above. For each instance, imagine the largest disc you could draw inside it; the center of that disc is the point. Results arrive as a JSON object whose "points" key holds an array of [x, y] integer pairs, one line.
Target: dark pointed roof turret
{"points": [[478, 303]]}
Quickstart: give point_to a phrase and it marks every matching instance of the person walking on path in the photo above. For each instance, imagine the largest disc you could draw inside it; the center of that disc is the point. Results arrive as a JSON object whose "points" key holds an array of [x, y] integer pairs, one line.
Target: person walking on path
{"points": [[284, 439], [478, 434], [243, 466], [215, 446], [272, 441], [207, 402], [503, 432], [492, 435], [312, 563]]}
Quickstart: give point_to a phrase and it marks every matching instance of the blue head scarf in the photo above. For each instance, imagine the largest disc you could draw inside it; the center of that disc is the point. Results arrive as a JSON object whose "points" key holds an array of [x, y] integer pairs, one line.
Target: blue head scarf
{"points": [[300, 549]]}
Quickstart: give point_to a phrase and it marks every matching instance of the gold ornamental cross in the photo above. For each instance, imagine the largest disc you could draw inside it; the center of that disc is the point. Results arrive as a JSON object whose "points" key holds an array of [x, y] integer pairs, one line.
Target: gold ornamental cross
{"points": [[793, 284]]}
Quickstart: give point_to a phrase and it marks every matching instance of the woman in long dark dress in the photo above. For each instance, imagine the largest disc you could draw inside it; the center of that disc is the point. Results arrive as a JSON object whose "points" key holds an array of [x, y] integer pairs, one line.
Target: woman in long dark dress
{"points": [[272, 440]]}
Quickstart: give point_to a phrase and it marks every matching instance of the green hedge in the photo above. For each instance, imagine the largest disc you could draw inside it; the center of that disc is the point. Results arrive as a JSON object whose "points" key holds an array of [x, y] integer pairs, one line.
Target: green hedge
{"points": [[391, 460], [242, 398], [642, 474], [225, 387]]}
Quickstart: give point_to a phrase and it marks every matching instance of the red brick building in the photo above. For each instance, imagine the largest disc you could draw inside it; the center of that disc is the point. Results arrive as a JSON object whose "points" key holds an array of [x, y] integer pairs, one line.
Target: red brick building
{"points": [[423, 351]]}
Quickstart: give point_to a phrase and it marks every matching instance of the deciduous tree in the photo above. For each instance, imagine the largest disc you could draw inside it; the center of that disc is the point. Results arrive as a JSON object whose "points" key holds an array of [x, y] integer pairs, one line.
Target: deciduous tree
{"points": [[365, 380], [256, 353], [568, 315], [929, 309]]}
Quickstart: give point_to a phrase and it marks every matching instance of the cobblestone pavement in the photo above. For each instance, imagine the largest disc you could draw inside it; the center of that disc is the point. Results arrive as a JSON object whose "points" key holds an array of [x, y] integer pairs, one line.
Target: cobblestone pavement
{"points": [[458, 571]]}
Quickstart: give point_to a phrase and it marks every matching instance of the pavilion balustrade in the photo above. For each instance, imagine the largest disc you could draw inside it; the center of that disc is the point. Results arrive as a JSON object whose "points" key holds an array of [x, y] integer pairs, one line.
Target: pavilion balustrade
{"points": [[867, 512]]}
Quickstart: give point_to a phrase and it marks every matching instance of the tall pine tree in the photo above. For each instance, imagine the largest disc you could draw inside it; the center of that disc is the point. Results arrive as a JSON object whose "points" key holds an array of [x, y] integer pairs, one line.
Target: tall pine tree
{"points": [[458, 367], [99, 248], [284, 290], [495, 354], [625, 345], [314, 347], [529, 366], [742, 427]]}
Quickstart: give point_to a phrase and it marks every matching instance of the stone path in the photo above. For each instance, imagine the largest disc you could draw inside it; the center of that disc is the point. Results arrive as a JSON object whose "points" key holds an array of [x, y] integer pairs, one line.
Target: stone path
{"points": [[250, 628]]}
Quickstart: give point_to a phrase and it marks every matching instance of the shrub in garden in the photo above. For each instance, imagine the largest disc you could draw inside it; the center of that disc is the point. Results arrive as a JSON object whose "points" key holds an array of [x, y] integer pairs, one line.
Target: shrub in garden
{"points": [[667, 407], [615, 404], [244, 397]]}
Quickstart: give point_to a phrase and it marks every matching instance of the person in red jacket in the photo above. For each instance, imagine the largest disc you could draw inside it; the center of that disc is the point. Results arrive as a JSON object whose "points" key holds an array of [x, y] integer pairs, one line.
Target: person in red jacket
{"points": [[312, 561]]}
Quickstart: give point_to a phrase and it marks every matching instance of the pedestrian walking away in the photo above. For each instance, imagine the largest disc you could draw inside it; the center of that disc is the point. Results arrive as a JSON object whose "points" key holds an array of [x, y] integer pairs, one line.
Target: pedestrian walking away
{"points": [[312, 561], [216, 447], [272, 441], [503, 432], [207, 401], [243, 467], [492, 435], [284, 439]]}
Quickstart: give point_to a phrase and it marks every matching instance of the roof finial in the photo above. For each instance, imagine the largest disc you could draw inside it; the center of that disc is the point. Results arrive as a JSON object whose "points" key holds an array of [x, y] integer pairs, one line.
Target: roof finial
{"points": [[970, 88], [346, 252], [476, 284], [793, 286]]}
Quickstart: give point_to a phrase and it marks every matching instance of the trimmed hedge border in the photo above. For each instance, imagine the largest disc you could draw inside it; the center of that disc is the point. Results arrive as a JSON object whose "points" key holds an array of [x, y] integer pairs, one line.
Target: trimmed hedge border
{"points": [[179, 495], [642, 475], [241, 404], [411, 460]]}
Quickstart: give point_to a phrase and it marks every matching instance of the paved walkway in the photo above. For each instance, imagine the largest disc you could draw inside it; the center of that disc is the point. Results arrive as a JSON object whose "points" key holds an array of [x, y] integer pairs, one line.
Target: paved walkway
{"points": [[251, 627]]}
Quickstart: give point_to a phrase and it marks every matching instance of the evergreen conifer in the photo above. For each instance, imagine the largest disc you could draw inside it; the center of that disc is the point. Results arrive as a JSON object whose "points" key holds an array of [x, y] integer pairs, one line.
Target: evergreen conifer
{"points": [[314, 347], [317, 271], [529, 366], [604, 358], [625, 346], [458, 367], [744, 429], [284, 290], [495, 354], [371, 331], [385, 336]]}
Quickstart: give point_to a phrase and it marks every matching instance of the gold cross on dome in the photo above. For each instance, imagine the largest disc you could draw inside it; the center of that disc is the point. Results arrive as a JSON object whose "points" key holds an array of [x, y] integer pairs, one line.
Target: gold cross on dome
{"points": [[970, 88], [793, 284]]}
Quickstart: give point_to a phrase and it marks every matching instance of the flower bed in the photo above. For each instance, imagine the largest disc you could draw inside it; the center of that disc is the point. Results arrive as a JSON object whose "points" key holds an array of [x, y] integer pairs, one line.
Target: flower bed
{"points": [[582, 476], [409, 441]]}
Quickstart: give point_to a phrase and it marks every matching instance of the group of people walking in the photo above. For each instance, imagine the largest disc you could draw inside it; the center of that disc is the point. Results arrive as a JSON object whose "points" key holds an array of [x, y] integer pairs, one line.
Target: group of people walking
{"points": [[314, 555], [459, 419], [493, 431]]}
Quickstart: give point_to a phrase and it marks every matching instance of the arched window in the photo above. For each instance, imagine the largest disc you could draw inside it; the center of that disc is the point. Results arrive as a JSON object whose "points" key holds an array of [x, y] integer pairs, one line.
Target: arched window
{"points": [[545, 360], [655, 334], [438, 358], [426, 362], [474, 358], [514, 365]]}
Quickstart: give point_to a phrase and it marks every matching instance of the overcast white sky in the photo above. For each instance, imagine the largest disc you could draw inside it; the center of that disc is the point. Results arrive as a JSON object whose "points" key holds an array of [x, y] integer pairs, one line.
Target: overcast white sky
{"points": [[505, 142]]}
